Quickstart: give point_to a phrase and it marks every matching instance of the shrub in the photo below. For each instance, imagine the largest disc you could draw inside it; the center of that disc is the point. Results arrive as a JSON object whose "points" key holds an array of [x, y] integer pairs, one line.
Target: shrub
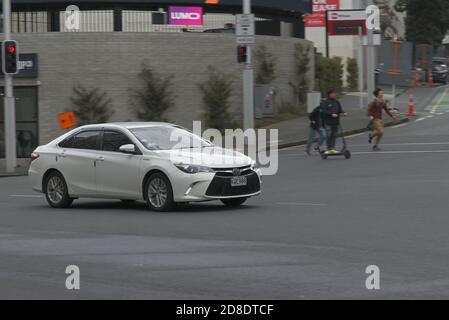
{"points": [[265, 65], [217, 91], [329, 74], [300, 84], [155, 97], [90, 105], [352, 70]]}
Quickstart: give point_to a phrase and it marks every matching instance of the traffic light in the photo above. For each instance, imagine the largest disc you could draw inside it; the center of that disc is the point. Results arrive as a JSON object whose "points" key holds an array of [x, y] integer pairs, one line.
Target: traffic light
{"points": [[242, 54], [9, 57]]}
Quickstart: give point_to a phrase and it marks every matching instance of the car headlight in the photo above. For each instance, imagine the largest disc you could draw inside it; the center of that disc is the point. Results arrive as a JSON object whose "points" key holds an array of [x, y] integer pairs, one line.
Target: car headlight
{"points": [[254, 165], [192, 169]]}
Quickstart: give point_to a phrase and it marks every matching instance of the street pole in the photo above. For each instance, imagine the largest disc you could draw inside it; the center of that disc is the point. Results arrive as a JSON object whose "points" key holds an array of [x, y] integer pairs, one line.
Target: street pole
{"points": [[371, 81], [248, 81], [361, 66], [9, 101]]}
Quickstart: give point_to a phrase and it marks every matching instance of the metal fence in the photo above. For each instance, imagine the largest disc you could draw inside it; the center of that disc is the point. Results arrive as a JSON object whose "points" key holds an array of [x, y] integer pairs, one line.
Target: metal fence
{"points": [[103, 21]]}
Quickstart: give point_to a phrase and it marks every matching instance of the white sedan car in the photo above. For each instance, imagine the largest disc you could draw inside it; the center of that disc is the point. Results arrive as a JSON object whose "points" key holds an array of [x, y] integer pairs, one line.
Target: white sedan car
{"points": [[160, 163]]}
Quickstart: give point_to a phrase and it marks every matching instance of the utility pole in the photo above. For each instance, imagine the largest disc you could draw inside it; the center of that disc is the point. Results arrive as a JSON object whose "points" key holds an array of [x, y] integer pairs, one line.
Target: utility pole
{"points": [[361, 66], [248, 81], [9, 100], [371, 78]]}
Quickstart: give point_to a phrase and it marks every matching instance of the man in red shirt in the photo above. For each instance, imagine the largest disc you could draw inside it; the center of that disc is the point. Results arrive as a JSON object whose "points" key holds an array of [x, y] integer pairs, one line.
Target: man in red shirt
{"points": [[375, 109]]}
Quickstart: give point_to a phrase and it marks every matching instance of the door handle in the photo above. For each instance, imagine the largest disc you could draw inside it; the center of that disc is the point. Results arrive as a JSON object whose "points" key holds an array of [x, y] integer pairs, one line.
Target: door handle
{"points": [[62, 155], [101, 159]]}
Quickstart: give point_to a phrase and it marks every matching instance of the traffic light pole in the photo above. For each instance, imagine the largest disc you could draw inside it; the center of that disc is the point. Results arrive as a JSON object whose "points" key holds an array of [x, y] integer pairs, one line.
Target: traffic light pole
{"points": [[248, 81], [371, 65], [9, 101]]}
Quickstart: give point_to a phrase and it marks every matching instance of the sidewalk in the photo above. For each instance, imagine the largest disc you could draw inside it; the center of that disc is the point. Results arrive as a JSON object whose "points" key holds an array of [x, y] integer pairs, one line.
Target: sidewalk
{"points": [[21, 169], [294, 132]]}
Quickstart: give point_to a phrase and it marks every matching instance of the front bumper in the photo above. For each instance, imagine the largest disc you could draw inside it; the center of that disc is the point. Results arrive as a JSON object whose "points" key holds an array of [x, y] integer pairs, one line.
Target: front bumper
{"points": [[214, 186]]}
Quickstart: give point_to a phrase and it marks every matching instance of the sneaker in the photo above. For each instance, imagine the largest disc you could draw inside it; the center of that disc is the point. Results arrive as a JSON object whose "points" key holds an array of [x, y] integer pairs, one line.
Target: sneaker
{"points": [[370, 140], [307, 152], [376, 148]]}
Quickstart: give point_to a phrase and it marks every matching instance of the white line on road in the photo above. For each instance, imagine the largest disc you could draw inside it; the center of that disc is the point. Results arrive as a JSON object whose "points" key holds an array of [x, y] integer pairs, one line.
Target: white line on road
{"points": [[440, 100], [25, 196], [407, 144], [302, 204], [400, 152]]}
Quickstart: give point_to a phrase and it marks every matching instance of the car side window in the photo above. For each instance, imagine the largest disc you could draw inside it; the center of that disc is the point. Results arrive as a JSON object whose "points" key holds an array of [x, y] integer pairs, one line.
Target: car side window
{"points": [[84, 140], [113, 140]]}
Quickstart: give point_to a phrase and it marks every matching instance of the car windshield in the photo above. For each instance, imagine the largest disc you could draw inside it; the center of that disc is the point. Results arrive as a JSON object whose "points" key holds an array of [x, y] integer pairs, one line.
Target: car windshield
{"points": [[168, 138]]}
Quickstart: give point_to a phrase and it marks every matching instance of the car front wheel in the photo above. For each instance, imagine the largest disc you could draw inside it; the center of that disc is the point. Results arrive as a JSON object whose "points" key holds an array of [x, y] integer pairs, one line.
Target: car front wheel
{"points": [[159, 193], [56, 191], [234, 202]]}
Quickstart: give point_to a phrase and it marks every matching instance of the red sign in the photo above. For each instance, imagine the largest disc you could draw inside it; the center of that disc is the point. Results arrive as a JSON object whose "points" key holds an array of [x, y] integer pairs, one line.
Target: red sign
{"points": [[346, 22], [67, 120], [318, 17]]}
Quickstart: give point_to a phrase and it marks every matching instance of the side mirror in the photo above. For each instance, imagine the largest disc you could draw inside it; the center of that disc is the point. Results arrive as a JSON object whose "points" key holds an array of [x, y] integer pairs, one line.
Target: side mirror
{"points": [[128, 148]]}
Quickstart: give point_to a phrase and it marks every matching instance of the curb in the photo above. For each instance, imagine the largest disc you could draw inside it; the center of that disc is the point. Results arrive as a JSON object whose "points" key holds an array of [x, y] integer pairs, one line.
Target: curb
{"points": [[345, 133], [15, 174]]}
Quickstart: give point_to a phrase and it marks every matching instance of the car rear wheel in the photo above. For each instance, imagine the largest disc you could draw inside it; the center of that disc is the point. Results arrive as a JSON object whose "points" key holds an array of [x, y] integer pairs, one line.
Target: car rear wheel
{"points": [[56, 191], [159, 193], [234, 202]]}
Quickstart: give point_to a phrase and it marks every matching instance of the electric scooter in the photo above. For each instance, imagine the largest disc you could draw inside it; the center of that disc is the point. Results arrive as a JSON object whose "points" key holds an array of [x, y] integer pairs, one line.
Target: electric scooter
{"points": [[344, 152]]}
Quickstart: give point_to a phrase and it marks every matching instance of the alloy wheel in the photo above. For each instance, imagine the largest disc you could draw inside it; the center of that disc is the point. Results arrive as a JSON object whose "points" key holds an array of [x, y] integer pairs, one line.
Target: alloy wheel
{"points": [[157, 192]]}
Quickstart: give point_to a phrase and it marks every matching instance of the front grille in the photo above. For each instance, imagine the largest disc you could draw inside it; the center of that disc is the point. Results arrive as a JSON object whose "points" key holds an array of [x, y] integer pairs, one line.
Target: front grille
{"points": [[221, 185]]}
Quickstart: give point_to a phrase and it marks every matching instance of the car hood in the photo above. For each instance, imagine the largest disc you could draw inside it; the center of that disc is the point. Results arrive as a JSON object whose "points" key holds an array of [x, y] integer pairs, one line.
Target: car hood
{"points": [[213, 157]]}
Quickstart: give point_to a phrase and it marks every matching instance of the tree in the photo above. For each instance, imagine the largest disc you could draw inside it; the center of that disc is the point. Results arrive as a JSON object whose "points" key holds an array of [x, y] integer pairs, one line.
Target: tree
{"points": [[265, 66], [156, 96], [90, 105], [300, 84], [426, 21], [329, 74], [217, 91], [352, 70]]}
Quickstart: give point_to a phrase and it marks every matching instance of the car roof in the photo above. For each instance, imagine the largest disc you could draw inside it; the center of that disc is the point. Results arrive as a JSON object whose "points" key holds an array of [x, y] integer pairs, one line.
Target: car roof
{"points": [[128, 125]]}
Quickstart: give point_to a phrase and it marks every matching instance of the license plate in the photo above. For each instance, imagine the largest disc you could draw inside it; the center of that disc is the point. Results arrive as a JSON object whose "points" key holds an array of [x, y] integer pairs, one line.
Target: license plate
{"points": [[238, 181]]}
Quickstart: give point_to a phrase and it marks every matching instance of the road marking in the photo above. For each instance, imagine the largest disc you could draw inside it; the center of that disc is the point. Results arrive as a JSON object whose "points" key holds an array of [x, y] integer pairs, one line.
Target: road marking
{"points": [[355, 135], [24, 196], [302, 204], [440, 100], [400, 152], [399, 126], [407, 144]]}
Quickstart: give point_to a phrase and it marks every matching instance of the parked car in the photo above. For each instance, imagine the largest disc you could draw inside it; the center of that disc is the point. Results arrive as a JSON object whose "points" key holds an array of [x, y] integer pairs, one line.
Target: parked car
{"points": [[140, 161], [440, 70]]}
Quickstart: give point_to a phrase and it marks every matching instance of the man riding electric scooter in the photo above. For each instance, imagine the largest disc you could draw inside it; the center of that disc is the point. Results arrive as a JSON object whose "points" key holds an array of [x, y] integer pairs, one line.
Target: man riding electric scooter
{"points": [[332, 111]]}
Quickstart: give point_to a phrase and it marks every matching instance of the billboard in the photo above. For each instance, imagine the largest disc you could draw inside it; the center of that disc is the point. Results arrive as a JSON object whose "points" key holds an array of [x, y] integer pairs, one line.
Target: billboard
{"points": [[185, 16], [346, 22], [319, 8]]}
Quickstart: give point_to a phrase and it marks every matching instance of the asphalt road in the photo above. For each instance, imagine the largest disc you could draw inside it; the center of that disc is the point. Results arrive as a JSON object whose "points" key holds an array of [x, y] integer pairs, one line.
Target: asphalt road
{"points": [[311, 235]]}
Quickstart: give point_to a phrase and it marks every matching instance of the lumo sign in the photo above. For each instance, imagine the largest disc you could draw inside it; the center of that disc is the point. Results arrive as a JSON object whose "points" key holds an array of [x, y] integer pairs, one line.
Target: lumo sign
{"points": [[185, 16]]}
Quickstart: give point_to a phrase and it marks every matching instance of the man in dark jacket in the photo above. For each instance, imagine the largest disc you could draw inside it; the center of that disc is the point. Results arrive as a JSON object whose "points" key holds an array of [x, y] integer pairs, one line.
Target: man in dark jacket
{"points": [[316, 127], [332, 111]]}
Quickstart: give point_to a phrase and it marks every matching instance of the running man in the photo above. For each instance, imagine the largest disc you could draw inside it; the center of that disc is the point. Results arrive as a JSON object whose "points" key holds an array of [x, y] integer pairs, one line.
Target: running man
{"points": [[332, 111], [375, 109]]}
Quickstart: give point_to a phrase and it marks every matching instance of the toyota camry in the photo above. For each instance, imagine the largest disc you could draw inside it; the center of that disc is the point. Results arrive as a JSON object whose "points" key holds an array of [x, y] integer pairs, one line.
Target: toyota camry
{"points": [[162, 164]]}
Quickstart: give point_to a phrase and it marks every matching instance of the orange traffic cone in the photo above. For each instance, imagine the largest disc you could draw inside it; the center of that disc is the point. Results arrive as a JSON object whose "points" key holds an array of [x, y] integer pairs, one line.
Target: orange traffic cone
{"points": [[430, 82], [417, 82], [411, 106]]}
